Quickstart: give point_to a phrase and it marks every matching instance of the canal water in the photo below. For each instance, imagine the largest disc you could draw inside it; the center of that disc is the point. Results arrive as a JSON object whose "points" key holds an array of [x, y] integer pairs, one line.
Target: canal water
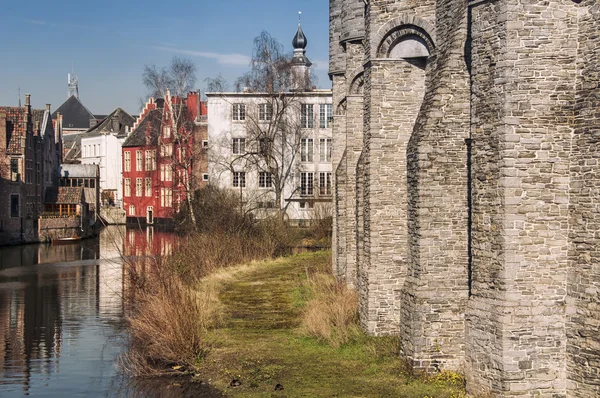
{"points": [[62, 316]]}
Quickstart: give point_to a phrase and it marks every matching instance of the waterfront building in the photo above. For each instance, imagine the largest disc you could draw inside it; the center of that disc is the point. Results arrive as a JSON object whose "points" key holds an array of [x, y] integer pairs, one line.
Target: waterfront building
{"points": [[29, 161], [101, 145], [161, 159]]}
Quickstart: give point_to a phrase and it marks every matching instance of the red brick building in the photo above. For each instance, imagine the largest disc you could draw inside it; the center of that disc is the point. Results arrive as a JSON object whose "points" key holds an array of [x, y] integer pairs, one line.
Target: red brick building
{"points": [[161, 165]]}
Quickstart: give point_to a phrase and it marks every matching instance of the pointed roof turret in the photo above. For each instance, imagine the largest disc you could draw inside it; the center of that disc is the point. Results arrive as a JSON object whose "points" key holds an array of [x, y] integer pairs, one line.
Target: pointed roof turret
{"points": [[299, 42]]}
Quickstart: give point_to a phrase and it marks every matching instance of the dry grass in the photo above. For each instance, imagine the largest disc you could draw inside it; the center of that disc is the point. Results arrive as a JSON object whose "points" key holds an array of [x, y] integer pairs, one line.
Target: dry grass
{"points": [[174, 300], [331, 314]]}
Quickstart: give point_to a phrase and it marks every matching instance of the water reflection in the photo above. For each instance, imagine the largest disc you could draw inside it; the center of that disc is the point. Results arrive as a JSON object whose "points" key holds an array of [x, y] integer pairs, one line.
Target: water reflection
{"points": [[61, 313]]}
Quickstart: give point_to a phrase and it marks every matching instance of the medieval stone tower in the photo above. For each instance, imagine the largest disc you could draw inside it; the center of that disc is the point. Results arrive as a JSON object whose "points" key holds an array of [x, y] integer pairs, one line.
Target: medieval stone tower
{"points": [[467, 172]]}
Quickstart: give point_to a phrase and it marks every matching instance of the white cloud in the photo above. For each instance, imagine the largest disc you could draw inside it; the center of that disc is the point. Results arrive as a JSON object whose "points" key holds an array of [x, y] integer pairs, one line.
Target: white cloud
{"points": [[223, 59]]}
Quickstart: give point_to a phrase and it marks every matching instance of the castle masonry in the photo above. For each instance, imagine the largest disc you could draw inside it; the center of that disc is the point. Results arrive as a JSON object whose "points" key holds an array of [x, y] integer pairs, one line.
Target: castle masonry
{"points": [[467, 185]]}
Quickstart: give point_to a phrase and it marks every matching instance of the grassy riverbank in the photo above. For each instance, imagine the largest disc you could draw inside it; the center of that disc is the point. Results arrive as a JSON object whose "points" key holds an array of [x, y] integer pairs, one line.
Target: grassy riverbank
{"points": [[262, 342]]}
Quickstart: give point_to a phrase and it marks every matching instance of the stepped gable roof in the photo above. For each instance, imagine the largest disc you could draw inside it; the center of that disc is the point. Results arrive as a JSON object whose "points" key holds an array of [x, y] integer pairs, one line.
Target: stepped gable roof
{"points": [[152, 124], [38, 115], [64, 195], [15, 127], [75, 114]]}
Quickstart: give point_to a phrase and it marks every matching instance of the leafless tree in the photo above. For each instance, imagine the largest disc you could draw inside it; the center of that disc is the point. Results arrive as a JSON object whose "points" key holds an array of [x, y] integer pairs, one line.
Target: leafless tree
{"points": [[273, 122], [172, 83]]}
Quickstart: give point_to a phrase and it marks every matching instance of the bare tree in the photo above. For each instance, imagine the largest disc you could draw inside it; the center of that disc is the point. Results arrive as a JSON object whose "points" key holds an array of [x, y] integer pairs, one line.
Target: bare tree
{"points": [[172, 84], [274, 126]]}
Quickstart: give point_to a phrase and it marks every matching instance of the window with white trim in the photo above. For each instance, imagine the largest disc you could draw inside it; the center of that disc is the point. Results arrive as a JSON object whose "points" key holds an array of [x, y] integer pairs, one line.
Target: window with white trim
{"points": [[306, 150], [325, 183], [265, 179], [127, 166], [148, 187], [127, 186], [265, 112], [139, 166], [325, 150], [239, 112], [131, 210], [239, 146], [306, 183], [138, 187], [166, 197], [325, 115], [307, 117], [239, 179]]}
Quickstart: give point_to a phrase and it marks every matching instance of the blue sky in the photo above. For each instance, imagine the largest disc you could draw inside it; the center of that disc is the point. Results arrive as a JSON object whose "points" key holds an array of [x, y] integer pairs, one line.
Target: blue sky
{"points": [[109, 42]]}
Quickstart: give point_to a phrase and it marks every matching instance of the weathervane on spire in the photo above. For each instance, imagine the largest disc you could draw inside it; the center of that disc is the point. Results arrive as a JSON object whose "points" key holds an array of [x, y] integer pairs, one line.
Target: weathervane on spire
{"points": [[299, 15]]}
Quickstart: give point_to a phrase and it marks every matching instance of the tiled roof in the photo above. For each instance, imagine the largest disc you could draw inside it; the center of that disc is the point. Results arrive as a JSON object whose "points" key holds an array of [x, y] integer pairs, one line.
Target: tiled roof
{"points": [[75, 114], [106, 125], [152, 124], [65, 195], [16, 129]]}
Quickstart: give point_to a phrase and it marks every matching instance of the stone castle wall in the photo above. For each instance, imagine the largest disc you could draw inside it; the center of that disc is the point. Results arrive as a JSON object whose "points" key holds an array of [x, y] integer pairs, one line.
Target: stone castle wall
{"points": [[467, 204]]}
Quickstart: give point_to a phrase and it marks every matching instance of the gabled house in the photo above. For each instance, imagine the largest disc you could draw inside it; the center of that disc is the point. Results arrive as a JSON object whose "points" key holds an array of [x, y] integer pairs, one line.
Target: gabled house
{"points": [[101, 145], [158, 163], [29, 161]]}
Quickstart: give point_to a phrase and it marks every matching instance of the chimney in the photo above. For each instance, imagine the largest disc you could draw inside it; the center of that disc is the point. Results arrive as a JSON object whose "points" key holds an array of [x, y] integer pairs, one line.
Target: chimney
{"points": [[48, 107], [27, 99]]}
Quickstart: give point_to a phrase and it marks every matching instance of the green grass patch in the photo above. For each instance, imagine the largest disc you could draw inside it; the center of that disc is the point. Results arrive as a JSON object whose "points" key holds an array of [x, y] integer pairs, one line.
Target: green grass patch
{"points": [[261, 344]]}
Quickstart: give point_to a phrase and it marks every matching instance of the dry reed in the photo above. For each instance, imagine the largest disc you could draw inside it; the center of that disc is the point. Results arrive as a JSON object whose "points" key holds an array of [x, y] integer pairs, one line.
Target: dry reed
{"points": [[331, 314]]}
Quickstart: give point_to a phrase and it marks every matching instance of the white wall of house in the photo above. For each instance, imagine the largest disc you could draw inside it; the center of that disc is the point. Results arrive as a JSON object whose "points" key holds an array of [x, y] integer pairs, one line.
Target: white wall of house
{"points": [[105, 151], [222, 130]]}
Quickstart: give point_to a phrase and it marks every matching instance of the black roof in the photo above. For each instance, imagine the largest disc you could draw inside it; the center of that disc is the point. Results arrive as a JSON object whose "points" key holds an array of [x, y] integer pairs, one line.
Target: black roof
{"points": [[122, 120], [75, 114], [153, 123]]}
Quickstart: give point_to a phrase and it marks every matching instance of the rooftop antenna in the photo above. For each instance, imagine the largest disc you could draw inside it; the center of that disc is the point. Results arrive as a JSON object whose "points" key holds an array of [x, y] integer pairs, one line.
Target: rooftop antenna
{"points": [[19, 90]]}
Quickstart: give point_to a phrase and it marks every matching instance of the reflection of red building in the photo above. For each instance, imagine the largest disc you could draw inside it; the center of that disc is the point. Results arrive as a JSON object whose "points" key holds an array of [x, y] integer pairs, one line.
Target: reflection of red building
{"points": [[161, 164]]}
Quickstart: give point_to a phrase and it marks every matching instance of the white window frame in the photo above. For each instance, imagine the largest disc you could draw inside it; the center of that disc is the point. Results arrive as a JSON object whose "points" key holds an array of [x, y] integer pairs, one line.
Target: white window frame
{"points": [[307, 116], [307, 180], [238, 179], [265, 179], [148, 187], [139, 187], [306, 150], [131, 210], [238, 113], [325, 149], [324, 183], [265, 112], [325, 115], [139, 161], [127, 188], [127, 166], [238, 146]]}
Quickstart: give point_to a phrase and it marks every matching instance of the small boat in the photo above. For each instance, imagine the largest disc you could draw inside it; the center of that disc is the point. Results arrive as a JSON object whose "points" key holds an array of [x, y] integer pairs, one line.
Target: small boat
{"points": [[65, 241]]}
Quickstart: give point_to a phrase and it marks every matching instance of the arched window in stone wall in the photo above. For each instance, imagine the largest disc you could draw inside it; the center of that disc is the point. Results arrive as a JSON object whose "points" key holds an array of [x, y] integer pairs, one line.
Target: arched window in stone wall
{"points": [[356, 86], [407, 37]]}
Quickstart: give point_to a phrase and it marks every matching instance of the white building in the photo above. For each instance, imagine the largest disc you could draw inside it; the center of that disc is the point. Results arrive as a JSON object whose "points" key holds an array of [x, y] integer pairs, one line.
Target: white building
{"points": [[291, 128], [101, 145]]}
